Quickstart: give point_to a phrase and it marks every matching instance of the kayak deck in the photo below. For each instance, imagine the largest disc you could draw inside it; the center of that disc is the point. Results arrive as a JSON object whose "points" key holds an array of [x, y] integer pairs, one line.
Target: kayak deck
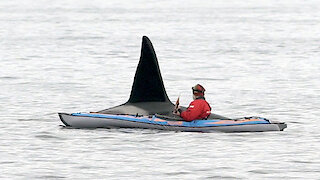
{"points": [[196, 123]]}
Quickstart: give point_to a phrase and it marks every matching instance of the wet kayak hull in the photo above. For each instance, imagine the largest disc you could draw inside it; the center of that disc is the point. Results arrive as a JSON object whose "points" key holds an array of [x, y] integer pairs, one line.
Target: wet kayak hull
{"points": [[85, 121]]}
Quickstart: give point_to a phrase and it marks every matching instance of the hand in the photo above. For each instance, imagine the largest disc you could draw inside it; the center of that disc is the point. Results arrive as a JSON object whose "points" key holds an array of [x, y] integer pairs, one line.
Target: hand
{"points": [[176, 112]]}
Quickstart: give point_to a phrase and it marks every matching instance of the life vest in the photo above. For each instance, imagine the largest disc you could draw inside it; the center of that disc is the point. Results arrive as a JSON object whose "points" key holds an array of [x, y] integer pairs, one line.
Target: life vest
{"points": [[198, 109]]}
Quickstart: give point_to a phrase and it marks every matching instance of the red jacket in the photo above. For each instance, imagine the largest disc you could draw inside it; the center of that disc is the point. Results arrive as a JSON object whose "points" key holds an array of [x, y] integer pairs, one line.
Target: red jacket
{"points": [[198, 109]]}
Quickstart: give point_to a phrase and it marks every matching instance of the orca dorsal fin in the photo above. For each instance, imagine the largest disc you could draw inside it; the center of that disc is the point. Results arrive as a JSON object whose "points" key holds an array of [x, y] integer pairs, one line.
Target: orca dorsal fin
{"points": [[148, 84]]}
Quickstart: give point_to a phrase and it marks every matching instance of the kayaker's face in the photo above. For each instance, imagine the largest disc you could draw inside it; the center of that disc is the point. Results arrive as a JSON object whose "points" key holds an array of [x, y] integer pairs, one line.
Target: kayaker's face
{"points": [[194, 97]]}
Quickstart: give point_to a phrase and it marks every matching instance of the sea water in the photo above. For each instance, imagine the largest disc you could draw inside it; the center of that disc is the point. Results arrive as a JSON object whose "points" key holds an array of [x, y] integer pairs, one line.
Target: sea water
{"points": [[255, 58]]}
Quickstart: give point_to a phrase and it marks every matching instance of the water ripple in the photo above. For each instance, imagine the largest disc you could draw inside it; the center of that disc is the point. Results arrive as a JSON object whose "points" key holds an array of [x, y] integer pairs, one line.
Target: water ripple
{"points": [[253, 58]]}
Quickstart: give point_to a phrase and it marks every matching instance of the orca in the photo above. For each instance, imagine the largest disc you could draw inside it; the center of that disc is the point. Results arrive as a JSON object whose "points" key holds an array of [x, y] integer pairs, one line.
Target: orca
{"points": [[148, 95]]}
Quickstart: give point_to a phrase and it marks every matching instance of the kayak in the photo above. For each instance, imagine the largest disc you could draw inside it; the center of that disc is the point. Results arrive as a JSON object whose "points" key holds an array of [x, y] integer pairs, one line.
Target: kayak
{"points": [[149, 107], [96, 120]]}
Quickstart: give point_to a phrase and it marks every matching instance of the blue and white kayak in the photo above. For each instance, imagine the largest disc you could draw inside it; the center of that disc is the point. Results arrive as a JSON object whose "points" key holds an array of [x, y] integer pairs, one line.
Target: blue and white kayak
{"points": [[96, 120]]}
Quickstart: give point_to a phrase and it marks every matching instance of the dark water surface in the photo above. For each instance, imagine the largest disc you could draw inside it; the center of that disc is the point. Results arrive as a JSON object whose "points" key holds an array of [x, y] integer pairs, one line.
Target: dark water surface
{"points": [[253, 57]]}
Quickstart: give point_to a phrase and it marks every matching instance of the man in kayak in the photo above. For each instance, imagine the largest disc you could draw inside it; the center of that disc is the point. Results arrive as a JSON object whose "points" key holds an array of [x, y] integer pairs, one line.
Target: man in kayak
{"points": [[199, 108]]}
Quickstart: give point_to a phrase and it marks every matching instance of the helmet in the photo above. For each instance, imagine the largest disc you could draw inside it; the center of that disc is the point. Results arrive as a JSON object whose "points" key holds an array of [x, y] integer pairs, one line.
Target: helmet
{"points": [[198, 90]]}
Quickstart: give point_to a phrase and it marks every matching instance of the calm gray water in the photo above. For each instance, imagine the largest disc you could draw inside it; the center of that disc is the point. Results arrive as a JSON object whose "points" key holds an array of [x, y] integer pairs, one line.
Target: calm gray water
{"points": [[253, 57]]}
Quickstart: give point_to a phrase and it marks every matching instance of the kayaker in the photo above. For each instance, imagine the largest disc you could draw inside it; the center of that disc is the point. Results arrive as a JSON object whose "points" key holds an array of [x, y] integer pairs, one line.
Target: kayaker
{"points": [[199, 108]]}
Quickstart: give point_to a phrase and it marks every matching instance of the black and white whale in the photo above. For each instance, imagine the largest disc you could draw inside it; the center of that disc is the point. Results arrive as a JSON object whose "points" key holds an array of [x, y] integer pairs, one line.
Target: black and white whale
{"points": [[150, 107]]}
